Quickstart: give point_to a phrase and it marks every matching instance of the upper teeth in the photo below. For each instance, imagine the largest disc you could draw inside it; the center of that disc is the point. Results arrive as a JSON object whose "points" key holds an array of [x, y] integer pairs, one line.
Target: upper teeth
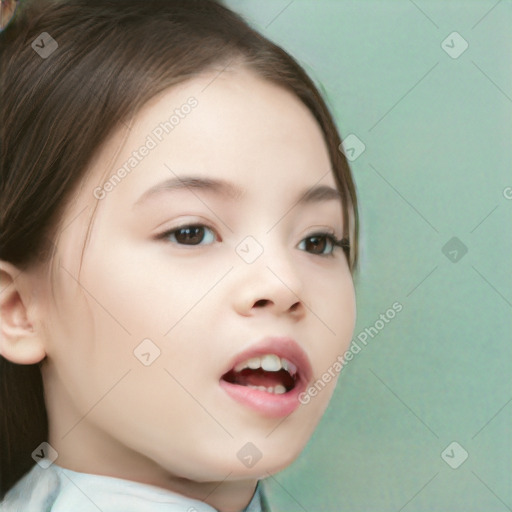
{"points": [[269, 363]]}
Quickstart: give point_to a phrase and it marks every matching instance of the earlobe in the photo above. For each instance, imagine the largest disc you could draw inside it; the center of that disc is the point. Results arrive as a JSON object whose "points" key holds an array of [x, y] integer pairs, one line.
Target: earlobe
{"points": [[20, 343]]}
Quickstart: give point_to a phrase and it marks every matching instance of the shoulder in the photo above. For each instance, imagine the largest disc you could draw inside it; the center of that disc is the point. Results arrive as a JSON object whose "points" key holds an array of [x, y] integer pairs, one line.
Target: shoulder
{"points": [[35, 491]]}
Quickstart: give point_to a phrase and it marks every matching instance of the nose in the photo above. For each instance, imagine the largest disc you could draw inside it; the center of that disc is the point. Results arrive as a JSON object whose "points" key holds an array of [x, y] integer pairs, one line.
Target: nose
{"points": [[269, 284]]}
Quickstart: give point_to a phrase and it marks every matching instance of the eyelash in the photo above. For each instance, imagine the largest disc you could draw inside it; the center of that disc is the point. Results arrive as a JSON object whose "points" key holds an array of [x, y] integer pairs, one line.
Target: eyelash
{"points": [[335, 242]]}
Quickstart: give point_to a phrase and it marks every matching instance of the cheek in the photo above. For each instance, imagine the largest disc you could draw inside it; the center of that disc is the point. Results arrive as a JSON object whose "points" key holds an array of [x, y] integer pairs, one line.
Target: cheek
{"points": [[335, 310], [146, 289], [68, 318], [96, 327], [335, 322]]}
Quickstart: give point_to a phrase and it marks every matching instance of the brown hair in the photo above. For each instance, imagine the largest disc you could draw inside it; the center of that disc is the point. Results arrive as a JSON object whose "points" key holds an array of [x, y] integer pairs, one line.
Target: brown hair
{"points": [[58, 109]]}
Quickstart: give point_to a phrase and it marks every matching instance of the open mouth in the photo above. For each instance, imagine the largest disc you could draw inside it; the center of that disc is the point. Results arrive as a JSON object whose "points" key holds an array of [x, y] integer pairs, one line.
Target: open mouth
{"points": [[269, 373], [268, 377]]}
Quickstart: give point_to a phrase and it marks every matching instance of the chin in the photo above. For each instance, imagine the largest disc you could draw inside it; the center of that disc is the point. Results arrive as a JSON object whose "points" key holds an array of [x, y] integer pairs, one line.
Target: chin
{"points": [[269, 464]]}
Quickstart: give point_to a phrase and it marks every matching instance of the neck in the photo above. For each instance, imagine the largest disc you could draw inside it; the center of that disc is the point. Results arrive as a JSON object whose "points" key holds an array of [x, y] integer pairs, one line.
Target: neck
{"points": [[226, 496]]}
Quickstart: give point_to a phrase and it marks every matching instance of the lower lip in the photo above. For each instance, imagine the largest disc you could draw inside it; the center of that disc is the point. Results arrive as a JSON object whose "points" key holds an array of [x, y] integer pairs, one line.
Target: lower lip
{"points": [[268, 404]]}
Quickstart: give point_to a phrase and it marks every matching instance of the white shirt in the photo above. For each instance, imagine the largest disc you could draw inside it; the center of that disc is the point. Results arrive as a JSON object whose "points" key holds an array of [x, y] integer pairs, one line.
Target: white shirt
{"points": [[57, 489]]}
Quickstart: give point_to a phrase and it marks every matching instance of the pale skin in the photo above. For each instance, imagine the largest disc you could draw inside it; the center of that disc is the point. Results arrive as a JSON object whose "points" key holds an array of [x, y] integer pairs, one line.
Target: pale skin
{"points": [[7, 8], [170, 424]]}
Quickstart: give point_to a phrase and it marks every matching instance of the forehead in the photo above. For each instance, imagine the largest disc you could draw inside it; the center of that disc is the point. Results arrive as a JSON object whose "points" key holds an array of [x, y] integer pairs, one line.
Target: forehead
{"points": [[233, 125]]}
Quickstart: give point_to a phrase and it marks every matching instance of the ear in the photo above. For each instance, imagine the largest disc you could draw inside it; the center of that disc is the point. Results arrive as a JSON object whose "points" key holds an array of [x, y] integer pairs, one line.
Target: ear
{"points": [[20, 343]]}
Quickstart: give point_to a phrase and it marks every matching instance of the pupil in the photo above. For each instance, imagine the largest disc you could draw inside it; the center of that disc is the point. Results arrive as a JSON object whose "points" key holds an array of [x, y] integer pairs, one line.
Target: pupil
{"points": [[192, 235], [316, 243]]}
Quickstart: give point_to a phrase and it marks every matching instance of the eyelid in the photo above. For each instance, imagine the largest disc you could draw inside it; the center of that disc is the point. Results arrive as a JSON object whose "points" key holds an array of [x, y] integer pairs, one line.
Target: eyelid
{"points": [[186, 224], [324, 231]]}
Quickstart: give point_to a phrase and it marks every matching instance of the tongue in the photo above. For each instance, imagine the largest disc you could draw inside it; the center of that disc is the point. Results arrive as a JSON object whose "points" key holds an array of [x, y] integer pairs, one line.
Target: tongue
{"points": [[261, 377]]}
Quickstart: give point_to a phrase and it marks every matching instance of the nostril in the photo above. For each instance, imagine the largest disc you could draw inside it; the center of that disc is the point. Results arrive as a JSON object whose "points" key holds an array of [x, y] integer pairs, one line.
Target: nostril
{"points": [[261, 302]]}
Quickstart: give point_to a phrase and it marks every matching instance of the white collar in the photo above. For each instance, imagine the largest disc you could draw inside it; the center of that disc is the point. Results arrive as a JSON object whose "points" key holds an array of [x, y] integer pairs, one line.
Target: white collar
{"points": [[61, 490]]}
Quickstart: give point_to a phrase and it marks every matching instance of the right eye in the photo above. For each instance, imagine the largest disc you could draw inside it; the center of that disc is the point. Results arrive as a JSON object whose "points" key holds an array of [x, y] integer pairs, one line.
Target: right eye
{"points": [[189, 234]]}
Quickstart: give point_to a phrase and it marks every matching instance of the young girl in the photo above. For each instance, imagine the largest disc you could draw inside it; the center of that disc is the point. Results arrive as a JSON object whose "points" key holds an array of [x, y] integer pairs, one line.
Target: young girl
{"points": [[178, 244]]}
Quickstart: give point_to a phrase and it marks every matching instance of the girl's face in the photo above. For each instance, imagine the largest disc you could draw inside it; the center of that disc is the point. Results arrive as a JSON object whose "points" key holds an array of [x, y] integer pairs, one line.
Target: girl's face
{"points": [[145, 319]]}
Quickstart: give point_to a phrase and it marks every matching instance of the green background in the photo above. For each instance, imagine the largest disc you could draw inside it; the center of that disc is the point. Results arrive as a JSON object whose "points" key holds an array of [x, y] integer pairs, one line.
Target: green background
{"points": [[436, 165]]}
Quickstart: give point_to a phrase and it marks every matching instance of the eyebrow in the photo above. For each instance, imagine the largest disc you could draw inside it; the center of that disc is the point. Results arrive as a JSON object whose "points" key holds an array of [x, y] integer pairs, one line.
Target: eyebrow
{"points": [[228, 190]]}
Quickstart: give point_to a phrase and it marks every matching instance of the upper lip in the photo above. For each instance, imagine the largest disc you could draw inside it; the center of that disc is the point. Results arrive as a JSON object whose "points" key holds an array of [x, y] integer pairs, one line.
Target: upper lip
{"points": [[284, 347]]}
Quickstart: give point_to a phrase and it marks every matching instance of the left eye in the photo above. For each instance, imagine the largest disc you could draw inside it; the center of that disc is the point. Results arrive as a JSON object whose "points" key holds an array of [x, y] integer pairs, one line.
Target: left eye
{"points": [[189, 235], [318, 243]]}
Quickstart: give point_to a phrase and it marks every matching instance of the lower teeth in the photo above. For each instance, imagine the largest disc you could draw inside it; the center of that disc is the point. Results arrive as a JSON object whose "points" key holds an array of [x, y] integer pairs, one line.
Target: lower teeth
{"points": [[277, 390]]}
